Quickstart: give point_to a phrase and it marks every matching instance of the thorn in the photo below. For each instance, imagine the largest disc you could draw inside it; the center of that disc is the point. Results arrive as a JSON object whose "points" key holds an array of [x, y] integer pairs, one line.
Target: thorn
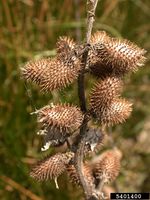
{"points": [[52, 105], [35, 112], [46, 146], [56, 183]]}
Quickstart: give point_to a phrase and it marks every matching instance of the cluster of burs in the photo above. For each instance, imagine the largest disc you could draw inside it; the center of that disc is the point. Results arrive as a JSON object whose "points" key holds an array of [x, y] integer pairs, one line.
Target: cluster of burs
{"points": [[109, 60]]}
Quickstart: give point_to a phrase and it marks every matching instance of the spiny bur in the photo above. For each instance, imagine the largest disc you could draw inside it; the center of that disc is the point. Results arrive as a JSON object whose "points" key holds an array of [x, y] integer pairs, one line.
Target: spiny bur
{"points": [[65, 117], [104, 92], [51, 74], [106, 167], [105, 103], [51, 167], [58, 122], [117, 112], [64, 45], [94, 63], [122, 55]]}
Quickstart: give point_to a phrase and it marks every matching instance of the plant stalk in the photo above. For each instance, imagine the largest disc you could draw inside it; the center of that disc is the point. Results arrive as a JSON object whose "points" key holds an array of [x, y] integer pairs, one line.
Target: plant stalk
{"points": [[79, 155]]}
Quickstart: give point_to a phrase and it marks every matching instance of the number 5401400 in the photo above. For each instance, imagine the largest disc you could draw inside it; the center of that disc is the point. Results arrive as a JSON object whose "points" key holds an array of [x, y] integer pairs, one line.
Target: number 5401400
{"points": [[128, 196]]}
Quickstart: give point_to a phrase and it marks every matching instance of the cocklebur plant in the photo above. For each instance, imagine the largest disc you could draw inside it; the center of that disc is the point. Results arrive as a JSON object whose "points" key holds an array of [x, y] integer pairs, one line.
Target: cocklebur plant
{"points": [[109, 60]]}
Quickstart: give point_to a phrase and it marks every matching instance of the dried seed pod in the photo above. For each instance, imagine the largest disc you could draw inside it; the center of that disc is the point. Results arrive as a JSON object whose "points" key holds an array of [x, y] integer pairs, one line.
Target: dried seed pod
{"points": [[94, 138], [122, 55], [64, 46], [94, 63], [106, 167], [117, 112], [53, 137], [72, 174], [66, 118], [104, 93], [57, 123], [51, 74], [51, 167]]}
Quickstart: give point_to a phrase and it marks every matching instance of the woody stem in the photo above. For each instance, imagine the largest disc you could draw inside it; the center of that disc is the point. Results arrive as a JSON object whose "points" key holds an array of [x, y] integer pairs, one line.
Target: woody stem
{"points": [[79, 154]]}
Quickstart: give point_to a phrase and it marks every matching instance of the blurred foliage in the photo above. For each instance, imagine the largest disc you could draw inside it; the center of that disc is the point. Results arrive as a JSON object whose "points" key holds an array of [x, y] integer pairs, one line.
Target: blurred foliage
{"points": [[29, 29]]}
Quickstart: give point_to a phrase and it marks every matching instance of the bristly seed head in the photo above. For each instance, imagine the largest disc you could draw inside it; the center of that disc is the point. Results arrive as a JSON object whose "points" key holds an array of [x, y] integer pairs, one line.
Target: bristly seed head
{"points": [[64, 46], [51, 74], [104, 92], [105, 104], [106, 166], [118, 111], [63, 117], [51, 167], [113, 56], [57, 123], [94, 63], [122, 55]]}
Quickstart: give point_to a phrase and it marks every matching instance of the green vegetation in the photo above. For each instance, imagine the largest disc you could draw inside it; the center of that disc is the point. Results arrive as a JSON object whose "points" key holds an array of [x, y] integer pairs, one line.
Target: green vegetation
{"points": [[29, 30]]}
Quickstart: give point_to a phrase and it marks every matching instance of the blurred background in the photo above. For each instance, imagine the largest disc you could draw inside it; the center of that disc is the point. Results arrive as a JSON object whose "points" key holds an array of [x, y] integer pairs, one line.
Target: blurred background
{"points": [[29, 30]]}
